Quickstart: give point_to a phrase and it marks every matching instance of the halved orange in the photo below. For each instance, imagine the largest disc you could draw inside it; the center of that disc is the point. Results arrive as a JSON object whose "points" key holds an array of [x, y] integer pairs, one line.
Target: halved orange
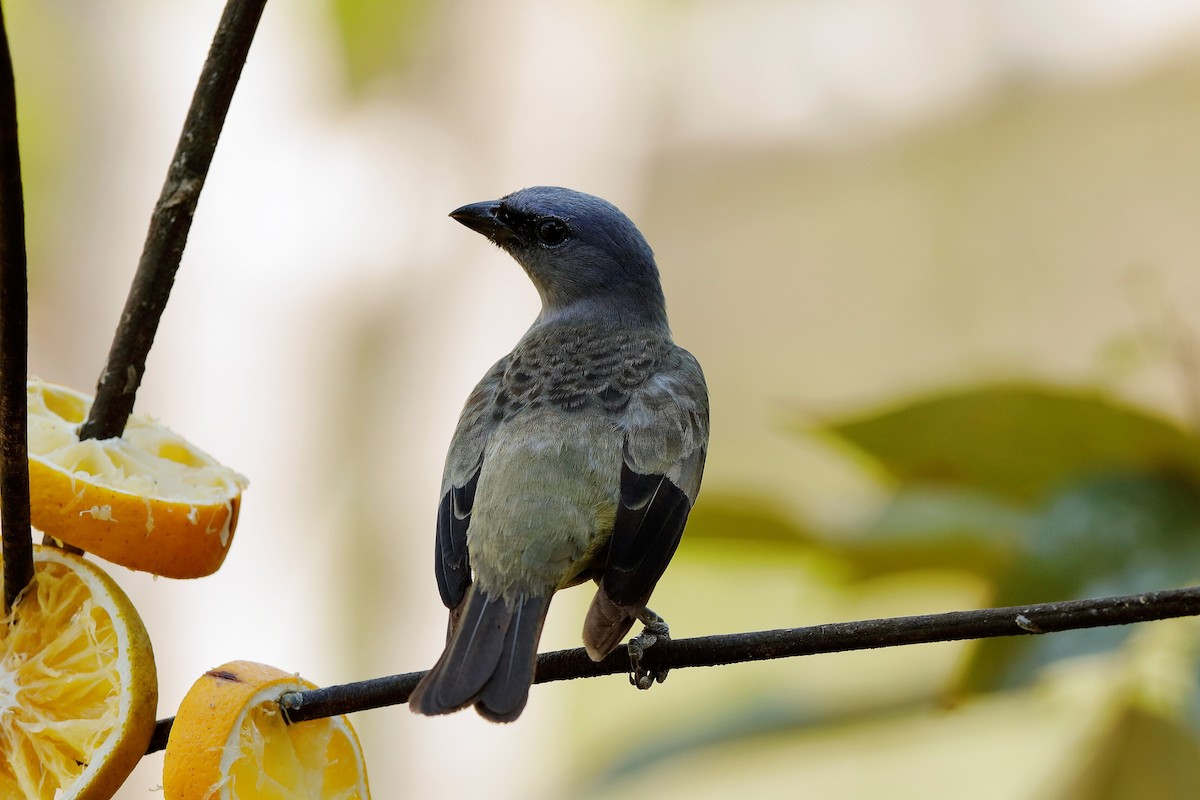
{"points": [[78, 688], [148, 500], [229, 741]]}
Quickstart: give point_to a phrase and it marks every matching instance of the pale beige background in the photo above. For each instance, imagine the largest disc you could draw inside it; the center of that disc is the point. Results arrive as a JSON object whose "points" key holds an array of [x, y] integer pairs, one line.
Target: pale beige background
{"points": [[850, 201]]}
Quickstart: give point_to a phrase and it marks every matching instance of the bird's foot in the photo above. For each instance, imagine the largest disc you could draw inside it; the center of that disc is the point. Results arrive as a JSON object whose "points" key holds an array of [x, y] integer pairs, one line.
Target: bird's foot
{"points": [[655, 630]]}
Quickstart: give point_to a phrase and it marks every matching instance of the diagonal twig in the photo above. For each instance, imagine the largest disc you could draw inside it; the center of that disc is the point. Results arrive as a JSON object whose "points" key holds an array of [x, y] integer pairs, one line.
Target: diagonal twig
{"points": [[171, 221], [838, 637], [14, 345]]}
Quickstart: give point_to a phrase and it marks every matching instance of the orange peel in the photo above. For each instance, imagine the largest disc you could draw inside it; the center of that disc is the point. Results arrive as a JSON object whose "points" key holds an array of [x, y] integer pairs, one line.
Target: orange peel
{"points": [[148, 500], [78, 687], [229, 741]]}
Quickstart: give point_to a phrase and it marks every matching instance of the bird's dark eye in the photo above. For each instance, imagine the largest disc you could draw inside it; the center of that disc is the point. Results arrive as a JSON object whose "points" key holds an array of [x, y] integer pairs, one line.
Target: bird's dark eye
{"points": [[551, 231]]}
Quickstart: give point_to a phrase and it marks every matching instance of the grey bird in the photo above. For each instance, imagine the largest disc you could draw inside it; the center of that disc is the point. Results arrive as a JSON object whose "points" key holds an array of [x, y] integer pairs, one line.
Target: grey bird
{"points": [[577, 457]]}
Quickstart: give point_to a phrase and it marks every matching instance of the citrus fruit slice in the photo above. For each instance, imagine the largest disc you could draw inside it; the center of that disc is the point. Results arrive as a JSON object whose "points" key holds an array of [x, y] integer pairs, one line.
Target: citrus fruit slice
{"points": [[148, 500], [78, 689], [229, 742]]}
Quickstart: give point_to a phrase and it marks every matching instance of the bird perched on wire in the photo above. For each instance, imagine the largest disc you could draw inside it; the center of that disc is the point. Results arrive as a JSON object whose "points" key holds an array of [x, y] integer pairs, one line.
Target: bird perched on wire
{"points": [[577, 457]]}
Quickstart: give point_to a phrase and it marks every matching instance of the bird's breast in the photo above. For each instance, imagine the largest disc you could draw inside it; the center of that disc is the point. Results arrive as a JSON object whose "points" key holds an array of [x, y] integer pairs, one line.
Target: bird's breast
{"points": [[545, 502]]}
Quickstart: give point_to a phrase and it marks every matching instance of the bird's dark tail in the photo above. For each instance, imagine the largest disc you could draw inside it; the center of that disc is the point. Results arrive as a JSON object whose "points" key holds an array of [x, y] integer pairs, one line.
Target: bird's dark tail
{"points": [[489, 660]]}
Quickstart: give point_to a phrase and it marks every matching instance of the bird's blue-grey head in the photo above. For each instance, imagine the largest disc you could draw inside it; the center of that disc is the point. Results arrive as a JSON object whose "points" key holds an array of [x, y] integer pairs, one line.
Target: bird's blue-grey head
{"points": [[586, 258]]}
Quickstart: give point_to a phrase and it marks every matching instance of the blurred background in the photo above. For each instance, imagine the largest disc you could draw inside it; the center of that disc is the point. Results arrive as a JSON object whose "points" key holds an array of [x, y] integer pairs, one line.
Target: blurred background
{"points": [[939, 261]]}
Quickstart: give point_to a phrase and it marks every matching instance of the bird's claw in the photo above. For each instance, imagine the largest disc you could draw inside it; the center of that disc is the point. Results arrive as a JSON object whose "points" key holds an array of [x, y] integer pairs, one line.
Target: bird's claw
{"points": [[642, 677]]}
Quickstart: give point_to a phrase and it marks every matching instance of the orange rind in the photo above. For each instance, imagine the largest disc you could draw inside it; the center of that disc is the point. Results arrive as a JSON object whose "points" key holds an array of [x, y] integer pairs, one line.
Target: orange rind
{"points": [[78, 687], [148, 500], [229, 741]]}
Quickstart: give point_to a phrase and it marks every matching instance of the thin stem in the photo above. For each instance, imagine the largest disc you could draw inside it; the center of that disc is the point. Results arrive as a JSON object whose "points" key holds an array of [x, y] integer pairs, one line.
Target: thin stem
{"points": [[171, 221], [838, 637], [14, 345]]}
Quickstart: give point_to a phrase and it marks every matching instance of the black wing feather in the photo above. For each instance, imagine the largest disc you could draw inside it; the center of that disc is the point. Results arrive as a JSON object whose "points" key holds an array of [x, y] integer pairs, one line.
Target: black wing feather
{"points": [[649, 524], [452, 565]]}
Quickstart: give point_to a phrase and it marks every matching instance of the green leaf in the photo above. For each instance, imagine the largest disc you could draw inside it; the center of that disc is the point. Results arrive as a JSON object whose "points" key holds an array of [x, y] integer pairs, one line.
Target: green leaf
{"points": [[920, 529], [378, 37], [1018, 441], [1115, 534], [937, 528]]}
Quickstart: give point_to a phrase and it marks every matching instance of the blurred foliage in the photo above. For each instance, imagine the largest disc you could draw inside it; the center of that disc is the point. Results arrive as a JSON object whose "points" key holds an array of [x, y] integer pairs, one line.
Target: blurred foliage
{"points": [[1039, 492], [747, 519], [378, 37], [45, 55], [1118, 533], [1017, 441], [1142, 755], [1075, 494]]}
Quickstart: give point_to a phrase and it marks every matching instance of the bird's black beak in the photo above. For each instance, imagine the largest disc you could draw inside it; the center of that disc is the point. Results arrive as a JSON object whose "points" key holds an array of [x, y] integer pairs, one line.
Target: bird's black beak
{"points": [[484, 218]]}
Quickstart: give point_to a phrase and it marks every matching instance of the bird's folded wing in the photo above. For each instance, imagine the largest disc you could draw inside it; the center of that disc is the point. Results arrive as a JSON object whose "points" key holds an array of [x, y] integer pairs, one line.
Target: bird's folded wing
{"points": [[461, 475], [666, 438]]}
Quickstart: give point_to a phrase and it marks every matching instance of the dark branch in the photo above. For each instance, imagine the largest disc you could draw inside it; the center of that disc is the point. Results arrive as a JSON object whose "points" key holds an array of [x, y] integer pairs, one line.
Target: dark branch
{"points": [[171, 221], [838, 637], [14, 345]]}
